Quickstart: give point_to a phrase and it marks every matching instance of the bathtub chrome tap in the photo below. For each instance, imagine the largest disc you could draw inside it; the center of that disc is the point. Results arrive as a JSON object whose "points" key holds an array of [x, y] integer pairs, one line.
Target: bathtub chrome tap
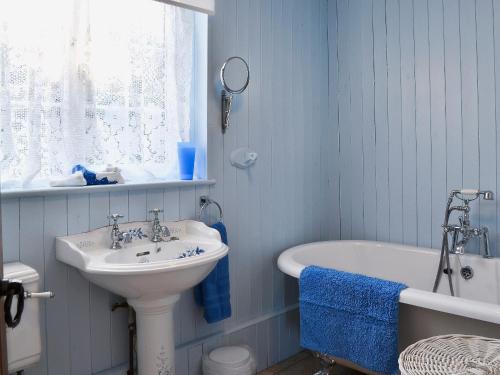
{"points": [[464, 229], [461, 233]]}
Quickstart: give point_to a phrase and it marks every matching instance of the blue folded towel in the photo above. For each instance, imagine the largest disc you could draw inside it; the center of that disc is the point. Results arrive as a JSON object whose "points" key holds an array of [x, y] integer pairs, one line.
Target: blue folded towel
{"points": [[91, 177], [213, 292], [350, 316]]}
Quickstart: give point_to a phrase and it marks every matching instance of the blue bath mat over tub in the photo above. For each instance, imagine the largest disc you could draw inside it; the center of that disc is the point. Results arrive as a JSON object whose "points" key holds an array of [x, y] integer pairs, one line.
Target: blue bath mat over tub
{"points": [[350, 316]]}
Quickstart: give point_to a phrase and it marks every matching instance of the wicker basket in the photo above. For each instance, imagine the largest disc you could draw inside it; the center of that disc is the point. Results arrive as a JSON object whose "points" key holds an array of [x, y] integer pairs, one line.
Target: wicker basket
{"points": [[452, 355]]}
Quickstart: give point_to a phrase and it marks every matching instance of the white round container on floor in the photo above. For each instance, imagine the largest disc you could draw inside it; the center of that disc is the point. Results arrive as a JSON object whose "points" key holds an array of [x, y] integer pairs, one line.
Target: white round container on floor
{"points": [[230, 360]]}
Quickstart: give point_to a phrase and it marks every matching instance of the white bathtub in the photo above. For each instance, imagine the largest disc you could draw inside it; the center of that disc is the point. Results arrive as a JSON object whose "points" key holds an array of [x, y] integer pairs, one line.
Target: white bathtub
{"points": [[475, 310]]}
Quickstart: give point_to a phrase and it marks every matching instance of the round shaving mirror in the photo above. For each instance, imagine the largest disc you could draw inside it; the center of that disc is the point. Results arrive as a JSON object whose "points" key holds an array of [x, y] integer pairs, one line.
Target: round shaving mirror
{"points": [[235, 77]]}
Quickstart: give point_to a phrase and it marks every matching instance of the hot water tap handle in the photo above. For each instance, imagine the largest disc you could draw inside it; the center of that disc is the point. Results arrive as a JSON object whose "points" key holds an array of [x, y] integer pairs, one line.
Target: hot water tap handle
{"points": [[156, 212], [469, 191]]}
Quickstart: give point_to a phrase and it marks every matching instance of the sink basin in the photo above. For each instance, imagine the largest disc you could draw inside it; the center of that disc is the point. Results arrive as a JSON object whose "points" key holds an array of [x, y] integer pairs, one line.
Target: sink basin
{"points": [[150, 275], [143, 269]]}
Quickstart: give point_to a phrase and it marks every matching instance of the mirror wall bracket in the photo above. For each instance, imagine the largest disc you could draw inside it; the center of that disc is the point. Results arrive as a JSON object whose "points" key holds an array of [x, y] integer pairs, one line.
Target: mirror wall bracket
{"points": [[227, 100]]}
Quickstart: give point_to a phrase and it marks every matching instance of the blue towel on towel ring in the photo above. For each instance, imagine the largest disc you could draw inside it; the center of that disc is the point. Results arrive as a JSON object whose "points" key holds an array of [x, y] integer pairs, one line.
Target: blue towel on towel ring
{"points": [[213, 292], [350, 316]]}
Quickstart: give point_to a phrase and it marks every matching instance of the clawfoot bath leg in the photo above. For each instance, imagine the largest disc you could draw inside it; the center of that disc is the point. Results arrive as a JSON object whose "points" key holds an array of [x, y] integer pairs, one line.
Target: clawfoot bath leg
{"points": [[327, 364]]}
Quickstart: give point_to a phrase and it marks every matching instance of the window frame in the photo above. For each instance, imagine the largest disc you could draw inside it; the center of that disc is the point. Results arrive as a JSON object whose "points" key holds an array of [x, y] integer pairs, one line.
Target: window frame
{"points": [[198, 130]]}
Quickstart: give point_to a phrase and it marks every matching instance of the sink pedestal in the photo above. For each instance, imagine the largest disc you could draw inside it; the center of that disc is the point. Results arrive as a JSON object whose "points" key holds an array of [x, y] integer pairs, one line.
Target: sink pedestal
{"points": [[155, 335], [150, 276]]}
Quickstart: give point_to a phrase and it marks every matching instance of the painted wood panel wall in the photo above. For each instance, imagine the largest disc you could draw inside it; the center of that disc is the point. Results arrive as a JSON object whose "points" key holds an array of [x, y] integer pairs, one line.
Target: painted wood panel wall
{"points": [[414, 113], [274, 205]]}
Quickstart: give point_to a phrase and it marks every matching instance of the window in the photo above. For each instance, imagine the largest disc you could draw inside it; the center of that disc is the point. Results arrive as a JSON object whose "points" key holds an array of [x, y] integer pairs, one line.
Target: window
{"points": [[99, 82]]}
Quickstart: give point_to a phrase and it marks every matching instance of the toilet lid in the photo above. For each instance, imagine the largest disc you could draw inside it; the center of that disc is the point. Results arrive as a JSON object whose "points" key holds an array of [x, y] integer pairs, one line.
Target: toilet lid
{"points": [[230, 355], [19, 271]]}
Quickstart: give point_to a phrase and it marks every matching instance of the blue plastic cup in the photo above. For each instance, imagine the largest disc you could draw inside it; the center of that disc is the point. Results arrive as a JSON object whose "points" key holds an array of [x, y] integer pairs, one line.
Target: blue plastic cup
{"points": [[187, 154]]}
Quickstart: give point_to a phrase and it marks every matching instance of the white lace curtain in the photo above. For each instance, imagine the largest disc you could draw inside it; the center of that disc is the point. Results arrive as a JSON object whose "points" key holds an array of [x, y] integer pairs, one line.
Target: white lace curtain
{"points": [[93, 82]]}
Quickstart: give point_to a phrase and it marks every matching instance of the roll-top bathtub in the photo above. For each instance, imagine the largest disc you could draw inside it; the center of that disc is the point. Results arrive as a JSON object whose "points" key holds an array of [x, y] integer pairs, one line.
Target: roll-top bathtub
{"points": [[474, 310]]}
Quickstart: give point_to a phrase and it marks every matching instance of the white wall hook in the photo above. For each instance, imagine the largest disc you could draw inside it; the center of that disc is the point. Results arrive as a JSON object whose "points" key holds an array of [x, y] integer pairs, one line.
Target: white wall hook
{"points": [[243, 158]]}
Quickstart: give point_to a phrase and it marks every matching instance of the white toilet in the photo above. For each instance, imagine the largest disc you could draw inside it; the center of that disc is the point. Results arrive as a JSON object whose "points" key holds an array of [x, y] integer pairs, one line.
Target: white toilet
{"points": [[23, 342]]}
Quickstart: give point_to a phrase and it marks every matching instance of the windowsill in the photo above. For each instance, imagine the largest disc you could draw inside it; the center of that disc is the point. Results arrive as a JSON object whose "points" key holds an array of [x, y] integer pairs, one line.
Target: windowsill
{"points": [[45, 191]]}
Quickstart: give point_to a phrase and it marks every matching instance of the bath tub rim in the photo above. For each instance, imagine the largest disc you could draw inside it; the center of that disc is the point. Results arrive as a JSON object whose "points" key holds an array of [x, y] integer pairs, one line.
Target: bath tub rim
{"points": [[467, 308]]}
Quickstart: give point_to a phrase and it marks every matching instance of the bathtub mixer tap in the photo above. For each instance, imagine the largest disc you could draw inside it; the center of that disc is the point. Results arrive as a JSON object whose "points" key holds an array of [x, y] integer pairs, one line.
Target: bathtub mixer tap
{"points": [[467, 232], [461, 233]]}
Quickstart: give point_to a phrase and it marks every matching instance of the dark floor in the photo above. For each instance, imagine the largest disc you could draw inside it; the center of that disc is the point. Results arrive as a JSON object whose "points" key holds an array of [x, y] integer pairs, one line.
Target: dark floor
{"points": [[303, 364]]}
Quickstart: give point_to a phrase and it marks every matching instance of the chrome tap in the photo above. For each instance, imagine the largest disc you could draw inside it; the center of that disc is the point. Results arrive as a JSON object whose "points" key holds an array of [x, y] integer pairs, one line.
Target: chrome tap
{"points": [[460, 233], [118, 236], [464, 232], [159, 233]]}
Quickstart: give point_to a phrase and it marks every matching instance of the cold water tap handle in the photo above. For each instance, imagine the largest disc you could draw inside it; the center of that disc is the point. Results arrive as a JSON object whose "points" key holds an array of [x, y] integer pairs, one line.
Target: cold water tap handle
{"points": [[115, 218]]}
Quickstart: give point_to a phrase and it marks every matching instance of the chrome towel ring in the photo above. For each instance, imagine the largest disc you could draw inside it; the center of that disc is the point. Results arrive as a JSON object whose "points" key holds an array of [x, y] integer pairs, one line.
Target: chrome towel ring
{"points": [[206, 201]]}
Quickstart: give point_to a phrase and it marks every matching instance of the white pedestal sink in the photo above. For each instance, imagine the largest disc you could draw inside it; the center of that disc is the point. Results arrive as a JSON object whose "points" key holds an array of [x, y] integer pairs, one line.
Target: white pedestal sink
{"points": [[150, 275]]}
